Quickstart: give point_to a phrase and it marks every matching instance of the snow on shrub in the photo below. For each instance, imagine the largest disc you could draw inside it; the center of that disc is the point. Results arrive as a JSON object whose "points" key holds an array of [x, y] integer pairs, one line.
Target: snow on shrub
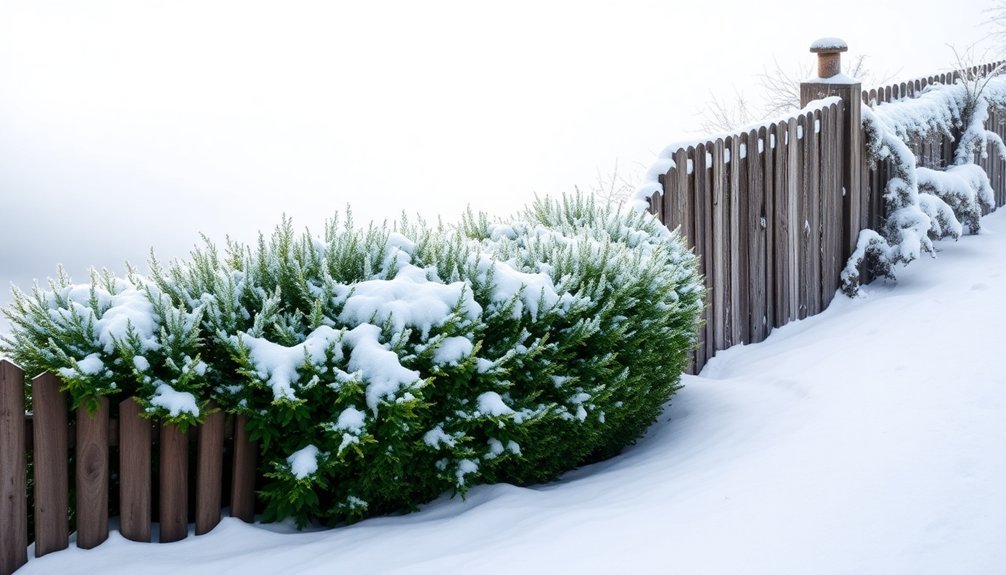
{"points": [[379, 369], [924, 204]]}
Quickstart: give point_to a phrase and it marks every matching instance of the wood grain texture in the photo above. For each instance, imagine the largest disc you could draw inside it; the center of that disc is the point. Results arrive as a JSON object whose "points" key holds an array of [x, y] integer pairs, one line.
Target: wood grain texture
{"points": [[720, 241], [174, 483], [51, 472], [92, 475], [209, 472], [134, 472], [243, 481], [13, 500]]}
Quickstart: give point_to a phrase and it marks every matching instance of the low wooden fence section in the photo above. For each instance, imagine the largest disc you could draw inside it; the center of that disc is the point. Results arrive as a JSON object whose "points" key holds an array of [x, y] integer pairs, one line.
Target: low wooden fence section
{"points": [[763, 210], [53, 437]]}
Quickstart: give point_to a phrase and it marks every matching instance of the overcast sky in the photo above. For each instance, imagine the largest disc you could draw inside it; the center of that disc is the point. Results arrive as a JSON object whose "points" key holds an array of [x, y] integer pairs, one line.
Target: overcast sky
{"points": [[136, 124]]}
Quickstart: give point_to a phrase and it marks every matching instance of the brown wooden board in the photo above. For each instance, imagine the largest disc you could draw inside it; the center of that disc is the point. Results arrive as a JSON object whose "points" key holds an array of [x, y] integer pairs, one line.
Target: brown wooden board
{"points": [[813, 155], [803, 230], [830, 219], [707, 227], [134, 472], [756, 234], [734, 316], [209, 473], [782, 224], [682, 196], [13, 503], [92, 475], [50, 459], [769, 217], [701, 251], [243, 482], [740, 216], [795, 225], [174, 483], [721, 239]]}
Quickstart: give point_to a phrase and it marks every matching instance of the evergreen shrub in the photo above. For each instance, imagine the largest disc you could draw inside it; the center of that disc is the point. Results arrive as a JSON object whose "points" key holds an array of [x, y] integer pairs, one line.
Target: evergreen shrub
{"points": [[378, 368]]}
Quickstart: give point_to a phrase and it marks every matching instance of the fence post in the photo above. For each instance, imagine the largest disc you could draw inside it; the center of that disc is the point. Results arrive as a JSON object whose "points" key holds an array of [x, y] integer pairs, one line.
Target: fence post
{"points": [[831, 82]]}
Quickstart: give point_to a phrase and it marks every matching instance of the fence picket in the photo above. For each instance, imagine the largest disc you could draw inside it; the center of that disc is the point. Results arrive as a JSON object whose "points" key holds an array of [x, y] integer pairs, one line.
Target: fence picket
{"points": [[50, 465], [13, 504], [134, 472], [813, 158], [756, 233], [92, 475], [702, 207], [721, 239], [174, 483], [243, 482], [209, 474], [739, 254], [769, 217], [793, 223], [782, 213]]}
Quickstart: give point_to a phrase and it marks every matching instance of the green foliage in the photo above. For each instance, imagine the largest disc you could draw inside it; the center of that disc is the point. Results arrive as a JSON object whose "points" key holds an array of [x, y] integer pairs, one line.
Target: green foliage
{"points": [[379, 369]]}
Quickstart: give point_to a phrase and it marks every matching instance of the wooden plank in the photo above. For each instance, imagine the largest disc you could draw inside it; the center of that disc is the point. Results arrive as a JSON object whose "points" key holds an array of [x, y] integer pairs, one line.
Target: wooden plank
{"points": [[707, 228], [735, 318], [814, 256], [741, 196], [756, 234], [831, 216], [702, 251], [795, 224], [841, 252], [243, 481], [13, 491], [134, 472], [51, 473], [92, 475], [174, 484], [682, 201], [782, 225], [683, 196], [721, 239], [209, 472], [769, 216]]}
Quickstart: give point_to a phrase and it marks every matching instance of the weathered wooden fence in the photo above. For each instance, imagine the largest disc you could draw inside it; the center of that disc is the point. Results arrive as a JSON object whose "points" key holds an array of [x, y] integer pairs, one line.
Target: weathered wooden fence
{"points": [[773, 213], [52, 437], [748, 204]]}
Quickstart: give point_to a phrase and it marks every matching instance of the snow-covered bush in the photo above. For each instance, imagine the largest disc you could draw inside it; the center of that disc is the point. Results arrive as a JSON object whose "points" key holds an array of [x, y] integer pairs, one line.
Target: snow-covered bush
{"points": [[924, 204], [379, 369]]}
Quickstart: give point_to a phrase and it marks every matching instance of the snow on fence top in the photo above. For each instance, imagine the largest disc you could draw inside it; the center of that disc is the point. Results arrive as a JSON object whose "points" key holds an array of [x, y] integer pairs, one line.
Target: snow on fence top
{"points": [[830, 44], [665, 161]]}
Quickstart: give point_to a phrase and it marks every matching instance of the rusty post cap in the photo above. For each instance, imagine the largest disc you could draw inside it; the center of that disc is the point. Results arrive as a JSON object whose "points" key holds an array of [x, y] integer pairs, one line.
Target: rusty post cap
{"points": [[829, 56], [829, 46]]}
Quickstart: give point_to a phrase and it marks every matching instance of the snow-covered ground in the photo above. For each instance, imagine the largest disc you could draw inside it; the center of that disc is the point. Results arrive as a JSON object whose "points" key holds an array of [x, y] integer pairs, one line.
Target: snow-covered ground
{"points": [[869, 439]]}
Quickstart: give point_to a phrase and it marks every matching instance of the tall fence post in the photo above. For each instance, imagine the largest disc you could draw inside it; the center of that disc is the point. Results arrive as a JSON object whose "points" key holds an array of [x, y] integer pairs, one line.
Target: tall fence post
{"points": [[831, 82]]}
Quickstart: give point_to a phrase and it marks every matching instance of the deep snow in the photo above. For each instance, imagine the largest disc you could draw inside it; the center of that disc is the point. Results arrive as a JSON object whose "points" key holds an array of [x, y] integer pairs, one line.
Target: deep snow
{"points": [[868, 439]]}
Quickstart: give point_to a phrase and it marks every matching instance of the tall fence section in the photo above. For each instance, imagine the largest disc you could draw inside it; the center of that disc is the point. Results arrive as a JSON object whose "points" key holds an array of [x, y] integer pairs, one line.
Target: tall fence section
{"points": [[773, 213], [112, 441]]}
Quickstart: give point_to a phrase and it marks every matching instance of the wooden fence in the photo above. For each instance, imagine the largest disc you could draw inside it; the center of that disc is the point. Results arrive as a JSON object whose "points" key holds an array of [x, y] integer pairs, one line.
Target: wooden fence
{"points": [[52, 436], [773, 213]]}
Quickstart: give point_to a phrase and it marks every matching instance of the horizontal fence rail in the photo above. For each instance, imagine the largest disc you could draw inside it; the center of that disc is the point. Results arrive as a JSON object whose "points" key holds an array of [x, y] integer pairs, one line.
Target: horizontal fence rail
{"points": [[52, 436]]}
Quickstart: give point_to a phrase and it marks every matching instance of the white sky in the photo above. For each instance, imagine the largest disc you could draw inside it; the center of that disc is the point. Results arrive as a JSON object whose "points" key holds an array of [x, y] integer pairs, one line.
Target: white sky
{"points": [[137, 124]]}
